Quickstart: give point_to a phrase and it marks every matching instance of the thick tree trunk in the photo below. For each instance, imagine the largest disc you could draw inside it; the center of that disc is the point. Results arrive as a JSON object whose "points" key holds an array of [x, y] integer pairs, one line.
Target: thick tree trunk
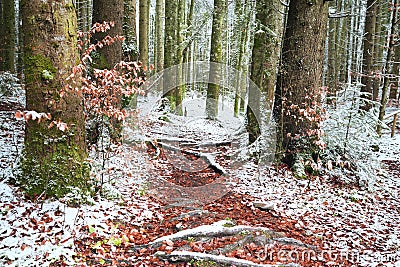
{"points": [[131, 51], [297, 106], [53, 163], [144, 7], [265, 60], [105, 10], [7, 35], [216, 55], [368, 52]]}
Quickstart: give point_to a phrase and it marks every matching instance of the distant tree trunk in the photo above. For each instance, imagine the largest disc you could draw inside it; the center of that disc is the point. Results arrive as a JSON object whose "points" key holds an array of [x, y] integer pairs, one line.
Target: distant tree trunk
{"points": [[265, 59], [216, 55], [170, 50], [159, 54], [242, 32], [131, 52], [106, 10], [300, 77], [7, 35], [378, 50], [144, 7], [54, 161], [388, 66], [368, 52]]}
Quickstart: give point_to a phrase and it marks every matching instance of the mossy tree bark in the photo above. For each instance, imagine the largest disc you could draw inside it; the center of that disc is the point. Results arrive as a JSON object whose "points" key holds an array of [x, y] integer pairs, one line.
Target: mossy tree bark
{"points": [[7, 35], [300, 77], [54, 161], [144, 7], [181, 88], [265, 59], [131, 51], [106, 10], [368, 52], [216, 55]]}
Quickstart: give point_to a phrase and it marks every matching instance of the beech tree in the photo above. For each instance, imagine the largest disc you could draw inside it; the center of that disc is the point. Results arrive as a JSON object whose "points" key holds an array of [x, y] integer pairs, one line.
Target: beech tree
{"points": [[216, 55], [297, 105], [144, 6], [54, 159], [110, 11]]}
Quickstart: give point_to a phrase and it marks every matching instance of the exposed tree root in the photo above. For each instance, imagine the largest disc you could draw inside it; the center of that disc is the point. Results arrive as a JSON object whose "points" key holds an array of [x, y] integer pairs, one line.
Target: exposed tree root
{"points": [[187, 256]]}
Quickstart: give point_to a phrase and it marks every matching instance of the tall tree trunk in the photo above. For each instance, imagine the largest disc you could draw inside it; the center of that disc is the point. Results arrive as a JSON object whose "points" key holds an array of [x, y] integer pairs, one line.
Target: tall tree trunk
{"points": [[170, 50], [106, 10], [54, 161], [265, 59], [368, 52], [216, 55], [180, 90], [300, 79], [378, 50], [7, 35], [144, 7], [388, 66], [159, 54], [131, 51]]}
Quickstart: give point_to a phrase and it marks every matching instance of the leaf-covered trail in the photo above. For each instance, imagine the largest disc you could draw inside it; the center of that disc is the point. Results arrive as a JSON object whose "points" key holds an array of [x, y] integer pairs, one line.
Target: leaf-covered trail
{"points": [[315, 222]]}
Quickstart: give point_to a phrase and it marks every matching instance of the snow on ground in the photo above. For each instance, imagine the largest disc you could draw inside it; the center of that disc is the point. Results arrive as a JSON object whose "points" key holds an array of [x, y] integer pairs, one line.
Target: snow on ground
{"points": [[362, 223]]}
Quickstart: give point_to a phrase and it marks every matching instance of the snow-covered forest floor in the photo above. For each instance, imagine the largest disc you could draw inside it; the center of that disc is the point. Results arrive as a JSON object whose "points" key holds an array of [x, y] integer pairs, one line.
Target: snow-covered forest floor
{"points": [[265, 216]]}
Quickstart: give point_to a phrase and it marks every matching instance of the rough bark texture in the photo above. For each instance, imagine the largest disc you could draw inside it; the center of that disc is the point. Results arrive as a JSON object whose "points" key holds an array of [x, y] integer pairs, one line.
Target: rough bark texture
{"points": [[144, 7], [300, 77], [368, 52], [180, 90], [216, 55], [7, 35], [106, 10], [131, 51], [53, 161], [265, 60], [160, 22]]}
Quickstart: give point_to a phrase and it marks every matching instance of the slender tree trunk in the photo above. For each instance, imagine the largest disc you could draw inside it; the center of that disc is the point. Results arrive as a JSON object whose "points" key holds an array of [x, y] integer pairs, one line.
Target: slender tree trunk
{"points": [[388, 66], [7, 35], [54, 161], [216, 55], [300, 78], [170, 50], [265, 59], [378, 51], [180, 90], [131, 52], [159, 54], [368, 52], [144, 7]]}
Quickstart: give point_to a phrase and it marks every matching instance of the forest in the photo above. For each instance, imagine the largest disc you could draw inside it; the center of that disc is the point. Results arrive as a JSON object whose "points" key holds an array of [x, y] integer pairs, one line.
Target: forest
{"points": [[199, 133]]}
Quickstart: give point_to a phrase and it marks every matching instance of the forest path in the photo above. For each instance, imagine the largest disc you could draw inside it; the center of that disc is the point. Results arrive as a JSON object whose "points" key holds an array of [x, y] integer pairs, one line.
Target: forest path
{"points": [[304, 217]]}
